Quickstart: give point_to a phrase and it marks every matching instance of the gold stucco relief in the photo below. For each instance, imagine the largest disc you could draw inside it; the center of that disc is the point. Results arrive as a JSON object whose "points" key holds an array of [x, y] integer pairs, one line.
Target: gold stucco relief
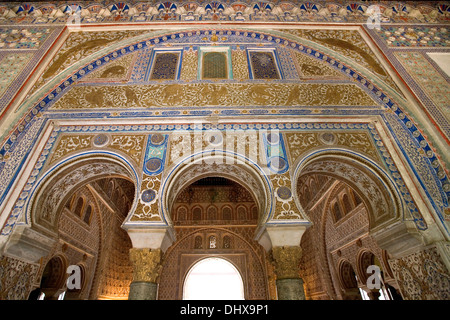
{"points": [[147, 208], [131, 145], [221, 95], [286, 262], [146, 264], [351, 44], [285, 207], [301, 142]]}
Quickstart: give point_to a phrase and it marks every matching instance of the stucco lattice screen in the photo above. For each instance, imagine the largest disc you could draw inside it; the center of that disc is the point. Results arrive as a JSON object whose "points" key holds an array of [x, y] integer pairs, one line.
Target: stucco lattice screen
{"points": [[165, 66], [214, 65], [264, 65]]}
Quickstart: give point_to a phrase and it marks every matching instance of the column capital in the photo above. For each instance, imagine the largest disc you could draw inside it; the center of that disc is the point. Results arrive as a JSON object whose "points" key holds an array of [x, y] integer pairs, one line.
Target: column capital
{"points": [[146, 264], [286, 261]]}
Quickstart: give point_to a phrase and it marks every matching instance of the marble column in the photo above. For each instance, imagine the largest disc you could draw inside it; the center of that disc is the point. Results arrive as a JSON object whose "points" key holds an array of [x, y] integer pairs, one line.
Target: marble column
{"points": [[146, 268], [286, 261]]}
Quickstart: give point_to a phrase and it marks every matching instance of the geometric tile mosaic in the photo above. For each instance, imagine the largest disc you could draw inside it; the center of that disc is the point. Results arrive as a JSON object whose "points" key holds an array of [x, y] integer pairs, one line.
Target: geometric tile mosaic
{"points": [[432, 82], [10, 67], [415, 36], [263, 65]]}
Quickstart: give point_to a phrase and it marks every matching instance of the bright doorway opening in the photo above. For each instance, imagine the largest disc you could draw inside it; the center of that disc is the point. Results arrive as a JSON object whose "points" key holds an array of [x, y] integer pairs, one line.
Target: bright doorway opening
{"points": [[213, 279]]}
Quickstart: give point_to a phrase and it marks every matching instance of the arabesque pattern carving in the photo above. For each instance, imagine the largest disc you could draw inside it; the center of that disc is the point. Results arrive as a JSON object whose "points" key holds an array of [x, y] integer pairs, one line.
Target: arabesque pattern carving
{"points": [[380, 202], [148, 207], [16, 278], [351, 44], [146, 264], [286, 262], [422, 275], [301, 142], [98, 81], [220, 95], [217, 11], [285, 207]]}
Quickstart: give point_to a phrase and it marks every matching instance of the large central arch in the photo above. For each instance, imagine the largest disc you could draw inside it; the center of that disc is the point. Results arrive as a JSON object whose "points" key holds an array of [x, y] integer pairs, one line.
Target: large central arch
{"points": [[220, 164], [211, 275]]}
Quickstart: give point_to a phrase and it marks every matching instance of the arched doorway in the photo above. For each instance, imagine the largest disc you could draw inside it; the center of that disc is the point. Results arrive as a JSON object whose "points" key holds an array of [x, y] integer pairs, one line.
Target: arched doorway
{"points": [[90, 237], [53, 276], [213, 279], [214, 217], [348, 281]]}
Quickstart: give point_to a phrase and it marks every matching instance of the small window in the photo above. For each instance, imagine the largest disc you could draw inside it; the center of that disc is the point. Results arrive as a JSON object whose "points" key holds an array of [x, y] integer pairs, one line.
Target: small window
{"points": [[212, 242], [212, 213], [79, 207], [226, 242], [165, 66], [197, 214], [198, 243], [181, 213], [242, 213], [346, 202], [337, 211], [215, 63], [226, 213], [70, 203], [263, 64], [88, 214]]}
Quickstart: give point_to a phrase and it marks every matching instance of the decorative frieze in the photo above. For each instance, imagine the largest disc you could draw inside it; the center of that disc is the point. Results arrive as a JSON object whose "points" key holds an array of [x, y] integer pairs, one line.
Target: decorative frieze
{"points": [[86, 12]]}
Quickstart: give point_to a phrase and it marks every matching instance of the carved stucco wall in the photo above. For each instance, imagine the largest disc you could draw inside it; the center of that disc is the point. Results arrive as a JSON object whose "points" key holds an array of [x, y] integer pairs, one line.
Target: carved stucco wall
{"points": [[99, 245], [93, 91]]}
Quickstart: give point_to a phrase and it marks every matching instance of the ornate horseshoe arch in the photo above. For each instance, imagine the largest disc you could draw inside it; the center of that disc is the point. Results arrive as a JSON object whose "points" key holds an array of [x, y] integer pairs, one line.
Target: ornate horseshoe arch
{"points": [[233, 167], [55, 187], [375, 187]]}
